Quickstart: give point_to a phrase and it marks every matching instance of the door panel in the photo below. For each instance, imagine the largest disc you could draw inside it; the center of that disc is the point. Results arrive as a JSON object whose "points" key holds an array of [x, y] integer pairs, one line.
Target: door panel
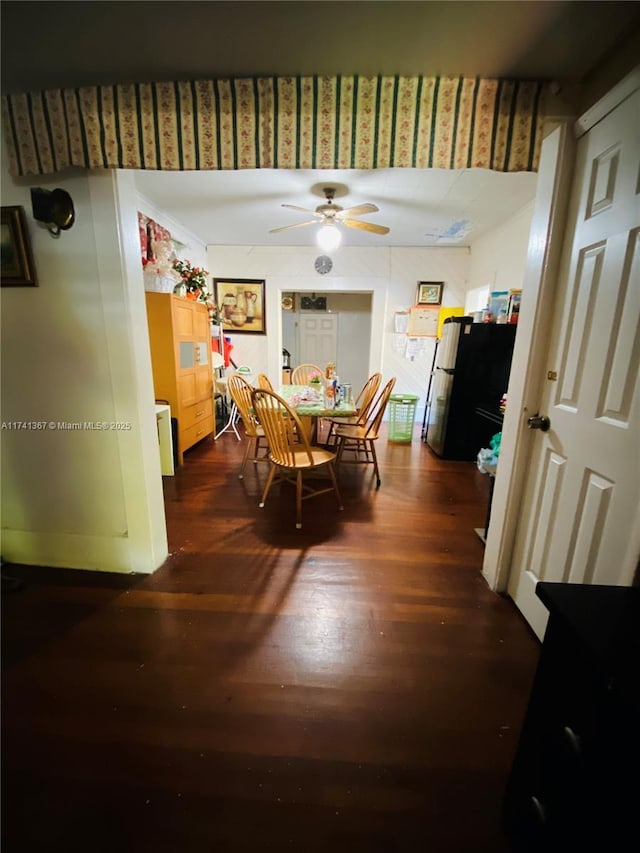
{"points": [[184, 319], [318, 342], [623, 357], [582, 498]]}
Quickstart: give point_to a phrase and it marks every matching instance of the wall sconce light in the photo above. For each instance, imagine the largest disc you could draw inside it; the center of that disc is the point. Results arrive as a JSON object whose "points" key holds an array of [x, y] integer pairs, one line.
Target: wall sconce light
{"points": [[54, 208], [329, 238]]}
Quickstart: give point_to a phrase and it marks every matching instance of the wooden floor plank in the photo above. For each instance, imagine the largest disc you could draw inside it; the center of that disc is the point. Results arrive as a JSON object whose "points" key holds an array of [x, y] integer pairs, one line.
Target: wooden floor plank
{"points": [[353, 686]]}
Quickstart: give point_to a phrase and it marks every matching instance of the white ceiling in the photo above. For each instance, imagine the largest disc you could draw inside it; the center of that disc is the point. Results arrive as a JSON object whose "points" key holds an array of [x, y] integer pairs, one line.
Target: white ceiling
{"points": [[239, 208], [51, 44]]}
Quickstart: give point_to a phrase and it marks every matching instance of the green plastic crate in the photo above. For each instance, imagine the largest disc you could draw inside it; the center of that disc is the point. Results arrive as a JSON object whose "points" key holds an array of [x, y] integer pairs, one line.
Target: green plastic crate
{"points": [[402, 414]]}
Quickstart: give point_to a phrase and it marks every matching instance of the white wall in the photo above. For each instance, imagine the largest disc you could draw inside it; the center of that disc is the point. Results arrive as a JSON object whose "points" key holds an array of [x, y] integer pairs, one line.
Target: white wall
{"points": [[498, 258], [71, 352], [391, 276]]}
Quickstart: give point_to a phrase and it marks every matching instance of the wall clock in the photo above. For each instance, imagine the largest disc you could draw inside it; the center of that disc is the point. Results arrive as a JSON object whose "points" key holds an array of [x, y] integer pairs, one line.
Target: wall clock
{"points": [[323, 264]]}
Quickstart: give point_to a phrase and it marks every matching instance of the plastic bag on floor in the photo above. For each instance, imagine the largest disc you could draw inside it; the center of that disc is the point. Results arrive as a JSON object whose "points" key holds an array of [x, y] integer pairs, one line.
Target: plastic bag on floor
{"points": [[487, 459]]}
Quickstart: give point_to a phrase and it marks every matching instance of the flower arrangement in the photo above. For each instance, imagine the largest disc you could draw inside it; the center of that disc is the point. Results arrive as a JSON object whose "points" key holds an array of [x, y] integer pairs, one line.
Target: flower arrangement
{"points": [[193, 278], [315, 377]]}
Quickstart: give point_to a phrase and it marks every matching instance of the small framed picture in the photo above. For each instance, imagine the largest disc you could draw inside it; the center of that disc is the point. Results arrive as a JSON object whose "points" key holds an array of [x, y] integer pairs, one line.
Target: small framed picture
{"points": [[429, 292], [241, 305], [17, 261]]}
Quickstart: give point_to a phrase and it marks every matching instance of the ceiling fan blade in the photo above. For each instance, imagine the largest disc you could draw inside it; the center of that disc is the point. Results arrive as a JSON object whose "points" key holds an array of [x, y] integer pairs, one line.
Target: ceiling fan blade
{"points": [[295, 225], [365, 226], [358, 210], [301, 209]]}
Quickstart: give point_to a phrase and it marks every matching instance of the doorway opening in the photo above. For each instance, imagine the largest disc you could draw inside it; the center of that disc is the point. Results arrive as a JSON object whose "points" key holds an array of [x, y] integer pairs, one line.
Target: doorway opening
{"points": [[340, 334]]}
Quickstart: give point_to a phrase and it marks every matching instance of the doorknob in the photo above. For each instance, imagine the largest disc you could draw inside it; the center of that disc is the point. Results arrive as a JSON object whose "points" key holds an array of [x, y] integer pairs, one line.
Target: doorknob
{"points": [[540, 422]]}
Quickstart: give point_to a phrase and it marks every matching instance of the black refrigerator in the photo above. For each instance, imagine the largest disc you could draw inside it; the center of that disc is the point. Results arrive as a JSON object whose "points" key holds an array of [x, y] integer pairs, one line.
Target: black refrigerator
{"points": [[470, 376]]}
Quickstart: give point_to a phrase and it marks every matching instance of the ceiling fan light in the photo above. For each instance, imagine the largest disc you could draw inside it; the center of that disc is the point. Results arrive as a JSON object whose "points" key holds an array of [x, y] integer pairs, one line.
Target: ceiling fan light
{"points": [[328, 237]]}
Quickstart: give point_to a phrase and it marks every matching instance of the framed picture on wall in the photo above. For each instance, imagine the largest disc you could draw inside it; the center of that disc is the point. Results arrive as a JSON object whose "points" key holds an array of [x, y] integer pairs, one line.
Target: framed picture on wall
{"points": [[429, 292], [241, 305], [18, 269]]}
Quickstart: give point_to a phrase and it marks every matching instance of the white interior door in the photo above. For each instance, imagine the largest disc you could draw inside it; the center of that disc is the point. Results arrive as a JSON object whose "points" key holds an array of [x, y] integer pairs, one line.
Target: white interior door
{"points": [[580, 510], [318, 338]]}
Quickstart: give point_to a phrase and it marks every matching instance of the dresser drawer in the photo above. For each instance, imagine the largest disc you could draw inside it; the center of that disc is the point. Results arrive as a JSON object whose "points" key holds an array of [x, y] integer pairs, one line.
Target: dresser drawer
{"points": [[192, 415], [192, 434]]}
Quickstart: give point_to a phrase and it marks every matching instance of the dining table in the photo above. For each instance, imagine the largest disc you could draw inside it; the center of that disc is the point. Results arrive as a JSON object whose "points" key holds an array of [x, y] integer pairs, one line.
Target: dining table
{"points": [[311, 406]]}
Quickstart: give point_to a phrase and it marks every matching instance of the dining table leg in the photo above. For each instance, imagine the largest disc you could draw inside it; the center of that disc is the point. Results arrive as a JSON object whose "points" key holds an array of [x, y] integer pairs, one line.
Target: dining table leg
{"points": [[310, 427]]}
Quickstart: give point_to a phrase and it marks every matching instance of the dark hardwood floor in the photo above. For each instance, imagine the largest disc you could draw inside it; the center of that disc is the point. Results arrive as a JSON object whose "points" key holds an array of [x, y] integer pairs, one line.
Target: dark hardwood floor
{"points": [[354, 686]]}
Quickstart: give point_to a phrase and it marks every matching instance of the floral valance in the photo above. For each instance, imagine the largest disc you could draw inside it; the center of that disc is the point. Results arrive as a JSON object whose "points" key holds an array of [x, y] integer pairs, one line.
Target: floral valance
{"points": [[278, 122]]}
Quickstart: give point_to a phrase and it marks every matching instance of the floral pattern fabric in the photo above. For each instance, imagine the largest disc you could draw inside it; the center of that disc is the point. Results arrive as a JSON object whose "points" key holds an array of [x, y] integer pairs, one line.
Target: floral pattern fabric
{"points": [[278, 122], [156, 247]]}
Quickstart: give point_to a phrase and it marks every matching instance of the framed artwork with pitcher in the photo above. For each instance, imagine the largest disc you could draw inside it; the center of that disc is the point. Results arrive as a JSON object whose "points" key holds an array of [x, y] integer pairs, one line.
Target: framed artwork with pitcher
{"points": [[241, 305]]}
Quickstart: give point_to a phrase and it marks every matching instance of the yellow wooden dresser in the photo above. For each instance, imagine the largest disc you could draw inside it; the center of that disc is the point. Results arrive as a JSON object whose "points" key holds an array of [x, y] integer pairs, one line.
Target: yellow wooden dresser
{"points": [[180, 338]]}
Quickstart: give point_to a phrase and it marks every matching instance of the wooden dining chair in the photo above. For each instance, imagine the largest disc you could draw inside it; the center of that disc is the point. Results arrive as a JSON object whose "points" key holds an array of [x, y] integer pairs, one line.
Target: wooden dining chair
{"points": [[360, 439], [364, 401], [290, 453], [301, 373], [264, 382], [240, 392]]}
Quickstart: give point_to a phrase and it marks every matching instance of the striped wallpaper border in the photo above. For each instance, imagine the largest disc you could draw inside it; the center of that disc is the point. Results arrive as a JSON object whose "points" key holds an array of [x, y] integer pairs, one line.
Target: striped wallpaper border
{"points": [[278, 123]]}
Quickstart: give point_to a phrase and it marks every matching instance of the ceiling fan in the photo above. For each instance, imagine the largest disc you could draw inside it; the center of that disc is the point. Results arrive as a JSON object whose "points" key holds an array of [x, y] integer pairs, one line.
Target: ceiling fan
{"points": [[330, 213]]}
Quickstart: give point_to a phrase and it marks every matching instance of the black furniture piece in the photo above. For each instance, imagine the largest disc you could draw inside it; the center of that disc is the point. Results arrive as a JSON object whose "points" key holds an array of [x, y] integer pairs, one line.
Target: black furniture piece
{"points": [[575, 780], [471, 374]]}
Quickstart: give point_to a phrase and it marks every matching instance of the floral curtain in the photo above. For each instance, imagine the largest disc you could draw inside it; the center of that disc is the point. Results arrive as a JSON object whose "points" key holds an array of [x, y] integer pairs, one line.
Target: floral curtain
{"points": [[278, 122]]}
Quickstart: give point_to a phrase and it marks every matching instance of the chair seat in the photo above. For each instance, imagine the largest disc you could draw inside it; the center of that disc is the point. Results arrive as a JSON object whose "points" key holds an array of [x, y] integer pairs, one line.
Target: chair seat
{"points": [[351, 431], [319, 455]]}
